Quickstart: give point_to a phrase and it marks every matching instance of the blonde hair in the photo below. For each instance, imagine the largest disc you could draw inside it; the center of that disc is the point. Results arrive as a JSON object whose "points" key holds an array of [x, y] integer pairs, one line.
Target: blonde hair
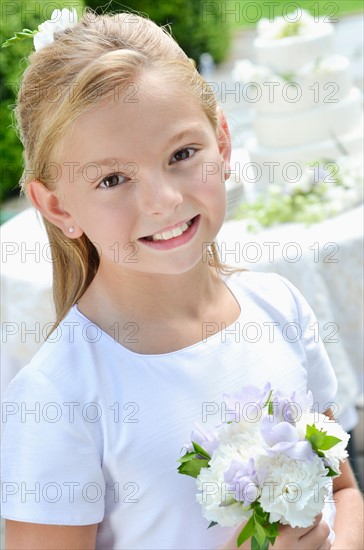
{"points": [[88, 62]]}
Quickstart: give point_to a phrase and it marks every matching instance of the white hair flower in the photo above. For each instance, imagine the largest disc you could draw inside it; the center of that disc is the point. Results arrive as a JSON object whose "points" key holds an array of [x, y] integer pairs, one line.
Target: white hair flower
{"points": [[59, 21]]}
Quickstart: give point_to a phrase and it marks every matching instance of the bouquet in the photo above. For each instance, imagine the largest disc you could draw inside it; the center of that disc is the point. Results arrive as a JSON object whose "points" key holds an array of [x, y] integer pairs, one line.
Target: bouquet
{"points": [[273, 463]]}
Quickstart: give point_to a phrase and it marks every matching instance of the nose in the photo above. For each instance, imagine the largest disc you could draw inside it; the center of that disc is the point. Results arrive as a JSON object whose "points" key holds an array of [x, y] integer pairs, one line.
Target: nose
{"points": [[159, 195]]}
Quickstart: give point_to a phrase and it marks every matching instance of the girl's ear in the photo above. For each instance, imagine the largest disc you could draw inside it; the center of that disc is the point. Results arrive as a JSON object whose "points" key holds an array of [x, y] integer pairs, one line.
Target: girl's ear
{"points": [[224, 140], [49, 204]]}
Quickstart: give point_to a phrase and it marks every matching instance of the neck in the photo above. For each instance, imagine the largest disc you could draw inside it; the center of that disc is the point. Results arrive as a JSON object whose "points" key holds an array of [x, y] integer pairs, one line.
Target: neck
{"points": [[154, 297]]}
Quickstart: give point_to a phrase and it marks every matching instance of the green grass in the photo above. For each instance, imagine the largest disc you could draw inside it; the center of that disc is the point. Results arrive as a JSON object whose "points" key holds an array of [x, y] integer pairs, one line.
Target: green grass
{"points": [[243, 13]]}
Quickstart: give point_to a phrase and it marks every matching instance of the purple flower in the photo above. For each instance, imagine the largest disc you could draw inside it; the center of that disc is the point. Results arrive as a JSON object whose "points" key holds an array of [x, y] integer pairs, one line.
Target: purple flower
{"points": [[241, 479], [303, 401], [282, 438], [208, 440], [290, 409], [251, 400]]}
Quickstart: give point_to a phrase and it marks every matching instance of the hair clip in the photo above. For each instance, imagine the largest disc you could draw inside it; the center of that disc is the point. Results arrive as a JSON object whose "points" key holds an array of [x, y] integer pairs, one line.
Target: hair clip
{"points": [[60, 20]]}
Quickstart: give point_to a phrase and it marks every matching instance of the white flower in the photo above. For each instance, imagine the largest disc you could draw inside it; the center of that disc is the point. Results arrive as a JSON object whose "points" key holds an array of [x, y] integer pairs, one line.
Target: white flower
{"points": [[60, 20], [245, 71], [274, 189], [237, 433], [296, 23], [350, 172], [328, 65], [212, 486], [292, 491], [304, 184], [270, 30], [307, 23], [243, 469]]}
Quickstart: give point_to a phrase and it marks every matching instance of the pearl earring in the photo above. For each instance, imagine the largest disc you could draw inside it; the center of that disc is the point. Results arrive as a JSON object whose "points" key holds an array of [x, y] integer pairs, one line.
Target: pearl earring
{"points": [[71, 229]]}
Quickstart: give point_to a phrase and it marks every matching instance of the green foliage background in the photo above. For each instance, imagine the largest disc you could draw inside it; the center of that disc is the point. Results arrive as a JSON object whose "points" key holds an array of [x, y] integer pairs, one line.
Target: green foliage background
{"points": [[195, 24], [16, 16], [187, 25], [198, 26]]}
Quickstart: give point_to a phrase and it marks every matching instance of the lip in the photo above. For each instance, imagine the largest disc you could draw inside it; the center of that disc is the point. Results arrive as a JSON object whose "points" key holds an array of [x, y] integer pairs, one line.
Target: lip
{"points": [[175, 241]]}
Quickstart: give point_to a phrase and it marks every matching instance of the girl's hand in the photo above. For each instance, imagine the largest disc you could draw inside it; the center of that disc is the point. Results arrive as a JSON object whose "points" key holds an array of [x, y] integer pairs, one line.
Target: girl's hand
{"points": [[308, 538]]}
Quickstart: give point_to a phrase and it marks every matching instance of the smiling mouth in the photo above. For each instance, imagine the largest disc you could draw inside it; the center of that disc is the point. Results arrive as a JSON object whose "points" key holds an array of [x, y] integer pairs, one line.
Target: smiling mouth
{"points": [[171, 234]]}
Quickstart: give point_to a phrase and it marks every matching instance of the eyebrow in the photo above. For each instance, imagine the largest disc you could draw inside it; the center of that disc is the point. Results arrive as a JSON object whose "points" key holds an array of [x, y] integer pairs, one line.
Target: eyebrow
{"points": [[109, 162], [195, 131]]}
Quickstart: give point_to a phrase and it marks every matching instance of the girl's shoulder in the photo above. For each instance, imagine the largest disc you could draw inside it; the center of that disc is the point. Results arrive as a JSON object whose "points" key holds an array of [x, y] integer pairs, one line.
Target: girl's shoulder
{"points": [[254, 280], [267, 287], [67, 362]]}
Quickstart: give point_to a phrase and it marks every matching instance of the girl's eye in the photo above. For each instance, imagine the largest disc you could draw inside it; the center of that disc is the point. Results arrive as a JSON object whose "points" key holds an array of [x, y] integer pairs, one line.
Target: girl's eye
{"points": [[184, 154], [112, 181]]}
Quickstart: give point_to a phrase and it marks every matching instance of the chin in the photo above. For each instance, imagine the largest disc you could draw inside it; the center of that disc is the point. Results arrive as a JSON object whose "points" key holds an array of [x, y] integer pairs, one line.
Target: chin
{"points": [[177, 266]]}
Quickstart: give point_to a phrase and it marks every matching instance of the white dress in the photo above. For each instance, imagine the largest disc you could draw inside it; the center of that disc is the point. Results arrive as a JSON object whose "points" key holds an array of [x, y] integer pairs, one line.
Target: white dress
{"points": [[93, 431]]}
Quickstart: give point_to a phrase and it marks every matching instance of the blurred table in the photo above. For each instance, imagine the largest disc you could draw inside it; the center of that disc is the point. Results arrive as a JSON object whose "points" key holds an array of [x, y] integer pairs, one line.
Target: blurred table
{"points": [[324, 261], [26, 295]]}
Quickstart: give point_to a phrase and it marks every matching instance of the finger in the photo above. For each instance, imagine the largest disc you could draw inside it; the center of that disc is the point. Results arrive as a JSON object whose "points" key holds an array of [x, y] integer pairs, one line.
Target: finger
{"points": [[318, 518], [317, 536], [317, 522], [302, 531], [326, 545]]}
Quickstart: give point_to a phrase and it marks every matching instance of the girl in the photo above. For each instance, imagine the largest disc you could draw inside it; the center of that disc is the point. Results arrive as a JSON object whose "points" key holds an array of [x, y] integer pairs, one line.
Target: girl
{"points": [[126, 157]]}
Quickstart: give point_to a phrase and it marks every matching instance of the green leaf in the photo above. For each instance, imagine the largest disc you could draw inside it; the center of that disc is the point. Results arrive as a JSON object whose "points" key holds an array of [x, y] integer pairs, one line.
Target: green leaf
{"points": [[212, 524], [193, 467], [314, 436], [199, 450], [8, 42], [319, 440], [259, 528], [255, 545], [259, 533], [311, 430], [22, 35], [247, 531], [192, 462], [272, 530], [18, 36], [187, 457], [269, 402], [329, 442], [261, 514], [331, 472]]}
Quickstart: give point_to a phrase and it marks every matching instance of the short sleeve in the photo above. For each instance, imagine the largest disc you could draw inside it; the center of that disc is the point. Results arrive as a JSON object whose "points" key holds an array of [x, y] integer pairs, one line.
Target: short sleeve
{"points": [[51, 464], [321, 378]]}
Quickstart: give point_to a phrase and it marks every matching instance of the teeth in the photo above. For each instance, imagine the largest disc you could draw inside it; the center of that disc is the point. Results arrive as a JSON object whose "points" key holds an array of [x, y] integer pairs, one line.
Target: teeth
{"points": [[176, 232]]}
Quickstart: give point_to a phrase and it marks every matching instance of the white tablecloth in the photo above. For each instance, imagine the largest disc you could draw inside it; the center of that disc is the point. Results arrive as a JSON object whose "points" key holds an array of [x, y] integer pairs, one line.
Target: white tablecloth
{"points": [[324, 261]]}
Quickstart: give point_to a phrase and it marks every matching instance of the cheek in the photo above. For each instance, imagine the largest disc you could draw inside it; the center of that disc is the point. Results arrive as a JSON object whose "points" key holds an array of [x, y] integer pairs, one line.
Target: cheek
{"points": [[206, 172], [212, 188], [106, 225], [211, 173]]}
